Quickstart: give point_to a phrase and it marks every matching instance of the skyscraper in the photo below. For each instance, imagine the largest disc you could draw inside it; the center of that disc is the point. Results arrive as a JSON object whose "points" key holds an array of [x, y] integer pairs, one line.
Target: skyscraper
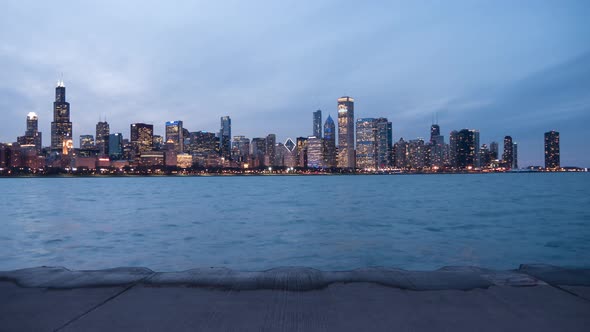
{"points": [[384, 143], [508, 154], [102, 137], [315, 156], [142, 138], [225, 137], [467, 154], [61, 127], [116, 146], [515, 155], [346, 132], [453, 137], [32, 135], [317, 124], [240, 148], [552, 158], [416, 153], [400, 150], [366, 143], [494, 151], [175, 134], [434, 131], [329, 143], [270, 150]]}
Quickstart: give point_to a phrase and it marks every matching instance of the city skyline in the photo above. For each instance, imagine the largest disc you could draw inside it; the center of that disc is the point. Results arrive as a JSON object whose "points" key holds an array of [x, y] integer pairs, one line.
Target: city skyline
{"points": [[395, 66]]}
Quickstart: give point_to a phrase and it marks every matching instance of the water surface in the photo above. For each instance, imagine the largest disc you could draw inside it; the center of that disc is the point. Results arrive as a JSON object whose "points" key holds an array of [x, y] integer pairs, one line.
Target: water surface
{"points": [[326, 222]]}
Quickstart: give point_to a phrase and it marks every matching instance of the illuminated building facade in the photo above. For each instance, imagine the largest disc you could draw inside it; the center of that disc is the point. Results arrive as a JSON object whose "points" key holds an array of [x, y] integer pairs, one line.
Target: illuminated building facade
{"points": [[32, 135], [317, 124], [552, 158], [315, 156], [102, 137], [346, 132], [61, 127], [270, 150], [416, 154], [86, 142], [494, 151], [329, 143], [142, 135], [366, 143], [400, 154], [175, 134], [240, 148]]}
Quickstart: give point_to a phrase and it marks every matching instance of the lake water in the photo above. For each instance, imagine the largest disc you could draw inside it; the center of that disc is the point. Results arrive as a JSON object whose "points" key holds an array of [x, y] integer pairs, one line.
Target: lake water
{"points": [[418, 222]]}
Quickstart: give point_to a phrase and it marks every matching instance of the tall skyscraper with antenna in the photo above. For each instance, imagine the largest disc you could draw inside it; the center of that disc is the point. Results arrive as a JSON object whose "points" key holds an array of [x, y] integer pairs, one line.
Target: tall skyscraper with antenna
{"points": [[61, 127]]}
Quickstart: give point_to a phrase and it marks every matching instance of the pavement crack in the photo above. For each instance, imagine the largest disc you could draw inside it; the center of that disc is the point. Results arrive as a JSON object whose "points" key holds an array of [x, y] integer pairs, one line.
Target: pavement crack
{"points": [[100, 304]]}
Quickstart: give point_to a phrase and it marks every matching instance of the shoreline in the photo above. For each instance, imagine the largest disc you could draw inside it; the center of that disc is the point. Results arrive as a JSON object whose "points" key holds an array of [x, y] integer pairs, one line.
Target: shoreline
{"points": [[301, 278]]}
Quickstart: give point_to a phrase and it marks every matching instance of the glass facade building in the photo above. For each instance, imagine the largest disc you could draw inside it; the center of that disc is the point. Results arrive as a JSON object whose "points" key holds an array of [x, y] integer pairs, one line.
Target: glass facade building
{"points": [[225, 137], [329, 143], [317, 124], [346, 132], [142, 138], [61, 127], [102, 137], [175, 134], [552, 158]]}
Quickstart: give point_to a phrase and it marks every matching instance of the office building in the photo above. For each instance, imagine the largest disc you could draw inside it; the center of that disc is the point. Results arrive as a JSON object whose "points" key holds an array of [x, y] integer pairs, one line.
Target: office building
{"points": [[508, 154], [61, 127], [467, 153], [416, 154], [552, 158], [329, 143], [317, 124], [141, 138], [86, 142], [225, 137], [494, 151], [515, 155], [400, 154], [32, 135], [346, 152], [116, 146], [366, 144], [102, 137], [384, 147], [175, 134], [315, 156]]}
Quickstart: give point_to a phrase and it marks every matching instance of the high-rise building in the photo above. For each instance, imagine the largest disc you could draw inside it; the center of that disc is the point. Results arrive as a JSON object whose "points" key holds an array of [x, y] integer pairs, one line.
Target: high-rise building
{"points": [[434, 132], [317, 124], [202, 142], [301, 151], [61, 127], [175, 134], [141, 138], [366, 144], [329, 143], [416, 153], [453, 137], [400, 154], [346, 132], [384, 143], [270, 150], [436, 146], [86, 142], [116, 146], [32, 135], [315, 156], [102, 137], [515, 155], [552, 158], [494, 151], [225, 137], [467, 154], [508, 154], [240, 148], [258, 151]]}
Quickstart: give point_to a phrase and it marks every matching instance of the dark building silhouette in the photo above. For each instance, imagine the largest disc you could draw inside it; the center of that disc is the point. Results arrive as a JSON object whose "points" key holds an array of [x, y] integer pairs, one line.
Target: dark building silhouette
{"points": [[329, 143], [552, 159], [61, 127], [225, 137], [508, 154], [467, 154], [317, 124]]}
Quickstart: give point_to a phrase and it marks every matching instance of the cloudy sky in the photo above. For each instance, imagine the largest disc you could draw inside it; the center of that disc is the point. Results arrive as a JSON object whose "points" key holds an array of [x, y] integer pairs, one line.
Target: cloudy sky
{"points": [[516, 68]]}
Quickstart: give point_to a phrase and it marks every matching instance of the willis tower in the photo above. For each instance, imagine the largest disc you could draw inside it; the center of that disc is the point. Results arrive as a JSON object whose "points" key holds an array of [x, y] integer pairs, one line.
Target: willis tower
{"points": [[61, 127]]}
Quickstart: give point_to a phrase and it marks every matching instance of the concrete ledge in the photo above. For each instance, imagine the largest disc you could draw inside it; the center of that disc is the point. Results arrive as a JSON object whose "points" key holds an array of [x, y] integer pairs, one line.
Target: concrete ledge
{"points": [[300, 278]]}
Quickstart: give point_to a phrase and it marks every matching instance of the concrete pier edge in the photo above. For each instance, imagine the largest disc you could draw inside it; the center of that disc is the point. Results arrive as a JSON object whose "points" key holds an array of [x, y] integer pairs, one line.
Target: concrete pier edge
{"points": [[301, 278]]}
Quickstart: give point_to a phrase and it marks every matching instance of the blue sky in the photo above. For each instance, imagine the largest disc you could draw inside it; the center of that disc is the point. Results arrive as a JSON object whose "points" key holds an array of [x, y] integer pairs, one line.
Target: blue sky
{"points": [[503, 67]]}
